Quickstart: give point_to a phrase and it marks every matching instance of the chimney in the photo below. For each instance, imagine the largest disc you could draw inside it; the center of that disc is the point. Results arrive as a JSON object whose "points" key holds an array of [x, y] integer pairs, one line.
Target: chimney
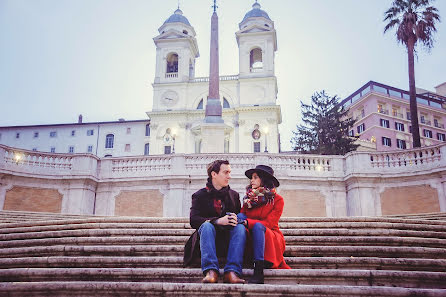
{"points": [[441, 89], [80, 119]]}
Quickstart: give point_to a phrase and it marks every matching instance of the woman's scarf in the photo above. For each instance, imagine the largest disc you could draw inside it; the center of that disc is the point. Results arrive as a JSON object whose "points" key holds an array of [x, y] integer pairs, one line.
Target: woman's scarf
{"points": [[258, 197]]}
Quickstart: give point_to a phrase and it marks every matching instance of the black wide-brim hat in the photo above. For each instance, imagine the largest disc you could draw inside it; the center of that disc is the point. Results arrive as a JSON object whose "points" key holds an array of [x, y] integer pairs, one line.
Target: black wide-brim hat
{"points": [[264, 171]]}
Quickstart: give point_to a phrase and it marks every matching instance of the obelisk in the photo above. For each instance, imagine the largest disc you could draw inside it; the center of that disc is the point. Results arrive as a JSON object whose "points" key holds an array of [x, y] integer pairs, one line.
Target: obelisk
{"points": [[213, 127]]}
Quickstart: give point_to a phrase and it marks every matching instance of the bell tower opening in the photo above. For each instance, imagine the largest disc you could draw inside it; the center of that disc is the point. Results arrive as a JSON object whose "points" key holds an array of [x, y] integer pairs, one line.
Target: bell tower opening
{"points": [[255, 59], [172, 63]]}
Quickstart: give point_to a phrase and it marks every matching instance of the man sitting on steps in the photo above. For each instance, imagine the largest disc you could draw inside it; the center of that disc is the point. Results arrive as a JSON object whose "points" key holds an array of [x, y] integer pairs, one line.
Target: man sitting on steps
{"points": [[214, 216]]}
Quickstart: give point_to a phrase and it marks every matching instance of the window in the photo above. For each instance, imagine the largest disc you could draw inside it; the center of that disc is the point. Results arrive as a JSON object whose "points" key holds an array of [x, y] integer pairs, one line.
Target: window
{"points": [[71, 149], [167, 149], [127, 147], [17, 135], [36, 134], [129, 130], [351, 133], [255, 59], [256, 147], [109, 139], [0, 136], [408, 115], [401, 144], [200, 105], [53, 134], [384, 123], [438, 124], [441, 136], [427, 133], [148, 130], [73, 132], [361, 128], [386, 141], [172, 63], [90, 149], [90, 132], [410, 129], [34, 149], [362, 112], [423, 119], [399, 126], [225, 103], [146, 149], [53, 149]]}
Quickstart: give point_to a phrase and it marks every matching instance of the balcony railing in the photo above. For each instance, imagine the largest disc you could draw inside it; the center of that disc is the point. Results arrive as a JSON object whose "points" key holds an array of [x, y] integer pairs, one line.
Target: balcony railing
{"points": [[438, 125], [206, 79], [383, 111], [398, 115], [172, 75], [425, 122], [286, 165]]}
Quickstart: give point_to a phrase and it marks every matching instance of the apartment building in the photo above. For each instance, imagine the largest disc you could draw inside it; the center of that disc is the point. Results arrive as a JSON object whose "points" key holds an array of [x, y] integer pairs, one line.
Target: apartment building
{"points": [[382, 115]]}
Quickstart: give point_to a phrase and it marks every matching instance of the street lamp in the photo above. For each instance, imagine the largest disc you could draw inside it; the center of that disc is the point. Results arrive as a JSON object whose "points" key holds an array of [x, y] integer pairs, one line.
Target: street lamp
{"points": [[174, 133], [266, 139]]}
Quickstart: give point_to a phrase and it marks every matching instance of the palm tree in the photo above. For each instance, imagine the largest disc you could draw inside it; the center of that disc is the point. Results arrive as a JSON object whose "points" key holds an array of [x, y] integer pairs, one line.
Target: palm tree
{"points": [[414, 21]]}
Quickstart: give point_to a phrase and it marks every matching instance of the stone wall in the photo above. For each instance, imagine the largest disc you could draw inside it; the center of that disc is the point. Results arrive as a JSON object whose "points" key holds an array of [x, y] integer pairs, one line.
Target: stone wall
{"points": [[147, 203], [303, 203], [358, 184], [33, 199], [409, 200]]}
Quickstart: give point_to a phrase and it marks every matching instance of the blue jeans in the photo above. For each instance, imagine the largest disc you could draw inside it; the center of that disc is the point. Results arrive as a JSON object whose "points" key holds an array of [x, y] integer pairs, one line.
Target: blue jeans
{"points": [[258, 238], [234, 260]]}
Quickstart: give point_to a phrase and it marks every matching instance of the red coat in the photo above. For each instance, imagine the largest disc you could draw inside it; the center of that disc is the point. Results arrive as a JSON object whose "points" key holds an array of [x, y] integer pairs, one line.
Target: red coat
{"points": [[269, 215]]}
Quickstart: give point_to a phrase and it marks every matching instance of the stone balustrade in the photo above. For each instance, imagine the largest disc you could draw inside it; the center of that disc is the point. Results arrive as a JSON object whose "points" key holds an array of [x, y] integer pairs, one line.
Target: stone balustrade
{"points": [[355, 184]]}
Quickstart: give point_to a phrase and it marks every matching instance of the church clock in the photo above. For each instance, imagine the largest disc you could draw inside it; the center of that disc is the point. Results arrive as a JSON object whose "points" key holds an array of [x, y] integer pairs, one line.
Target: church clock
{"points": [[169, 98]]}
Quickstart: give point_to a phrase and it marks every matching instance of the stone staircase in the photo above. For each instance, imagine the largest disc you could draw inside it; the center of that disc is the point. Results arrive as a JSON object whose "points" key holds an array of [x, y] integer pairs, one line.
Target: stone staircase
{"points": [[44, 254]]}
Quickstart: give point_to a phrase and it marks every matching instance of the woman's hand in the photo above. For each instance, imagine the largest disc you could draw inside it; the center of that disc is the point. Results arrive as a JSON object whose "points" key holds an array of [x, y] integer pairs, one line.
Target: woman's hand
{"points": [[229, 219]]}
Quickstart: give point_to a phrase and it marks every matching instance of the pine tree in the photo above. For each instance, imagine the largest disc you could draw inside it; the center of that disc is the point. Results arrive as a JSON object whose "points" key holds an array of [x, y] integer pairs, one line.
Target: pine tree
{"points": [[325, 128]]}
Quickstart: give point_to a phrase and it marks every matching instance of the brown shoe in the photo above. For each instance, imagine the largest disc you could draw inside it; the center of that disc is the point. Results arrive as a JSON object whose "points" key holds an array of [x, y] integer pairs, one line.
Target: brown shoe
{"points": [[211, 277], [232, 278]]}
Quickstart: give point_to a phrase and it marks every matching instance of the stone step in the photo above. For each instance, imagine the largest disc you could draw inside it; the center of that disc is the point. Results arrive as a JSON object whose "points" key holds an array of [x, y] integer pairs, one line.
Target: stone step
{"points": [[408, 279], [177, 251], [285, 227], [319, 220], [103, 289], [187, 232], [181, 240], [402, 264]]}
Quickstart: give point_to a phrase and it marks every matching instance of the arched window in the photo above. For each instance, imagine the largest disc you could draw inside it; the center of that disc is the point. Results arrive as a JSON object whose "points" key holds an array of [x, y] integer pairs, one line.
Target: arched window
{"points": [[172, 63], [255, 59], [148, 130], [146, 149], [200, 105], [225, 103], [109, 139]]}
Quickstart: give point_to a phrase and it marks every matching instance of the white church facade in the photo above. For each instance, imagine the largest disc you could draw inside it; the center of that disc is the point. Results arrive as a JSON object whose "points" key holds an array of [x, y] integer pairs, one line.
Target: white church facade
{"points": [[250, 112]]}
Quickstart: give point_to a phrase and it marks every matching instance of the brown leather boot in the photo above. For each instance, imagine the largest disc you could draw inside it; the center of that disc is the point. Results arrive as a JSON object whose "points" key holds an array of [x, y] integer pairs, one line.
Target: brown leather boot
{"points": [[211, 277], [232, 278]]}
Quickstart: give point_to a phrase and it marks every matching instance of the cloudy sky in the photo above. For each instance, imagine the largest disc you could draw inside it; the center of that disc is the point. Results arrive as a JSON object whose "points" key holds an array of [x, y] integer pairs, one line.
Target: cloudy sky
{"points": [[62, 58]]}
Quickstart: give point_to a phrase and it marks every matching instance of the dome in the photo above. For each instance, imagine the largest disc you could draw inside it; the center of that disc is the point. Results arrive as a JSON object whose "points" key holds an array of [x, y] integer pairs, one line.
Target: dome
{"points": [[256, 12], [177, 17]]}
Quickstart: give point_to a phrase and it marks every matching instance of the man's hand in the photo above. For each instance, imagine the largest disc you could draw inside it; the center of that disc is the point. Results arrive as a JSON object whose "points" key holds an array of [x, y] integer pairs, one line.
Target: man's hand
{"points": [[229, 219]]}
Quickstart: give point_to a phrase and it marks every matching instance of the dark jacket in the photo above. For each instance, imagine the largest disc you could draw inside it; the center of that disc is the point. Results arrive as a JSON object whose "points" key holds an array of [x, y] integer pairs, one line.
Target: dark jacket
{"points": [[202, 210]]}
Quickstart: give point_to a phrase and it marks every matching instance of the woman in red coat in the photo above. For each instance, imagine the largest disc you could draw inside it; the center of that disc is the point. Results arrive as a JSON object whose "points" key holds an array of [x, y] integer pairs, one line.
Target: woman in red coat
{"points": [[261, 211]]}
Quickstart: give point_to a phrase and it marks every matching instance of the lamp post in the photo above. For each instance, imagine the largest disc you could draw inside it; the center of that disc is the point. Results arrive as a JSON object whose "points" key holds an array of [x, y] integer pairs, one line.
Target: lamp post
{"points": [[266, 139], [174, 133]]}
